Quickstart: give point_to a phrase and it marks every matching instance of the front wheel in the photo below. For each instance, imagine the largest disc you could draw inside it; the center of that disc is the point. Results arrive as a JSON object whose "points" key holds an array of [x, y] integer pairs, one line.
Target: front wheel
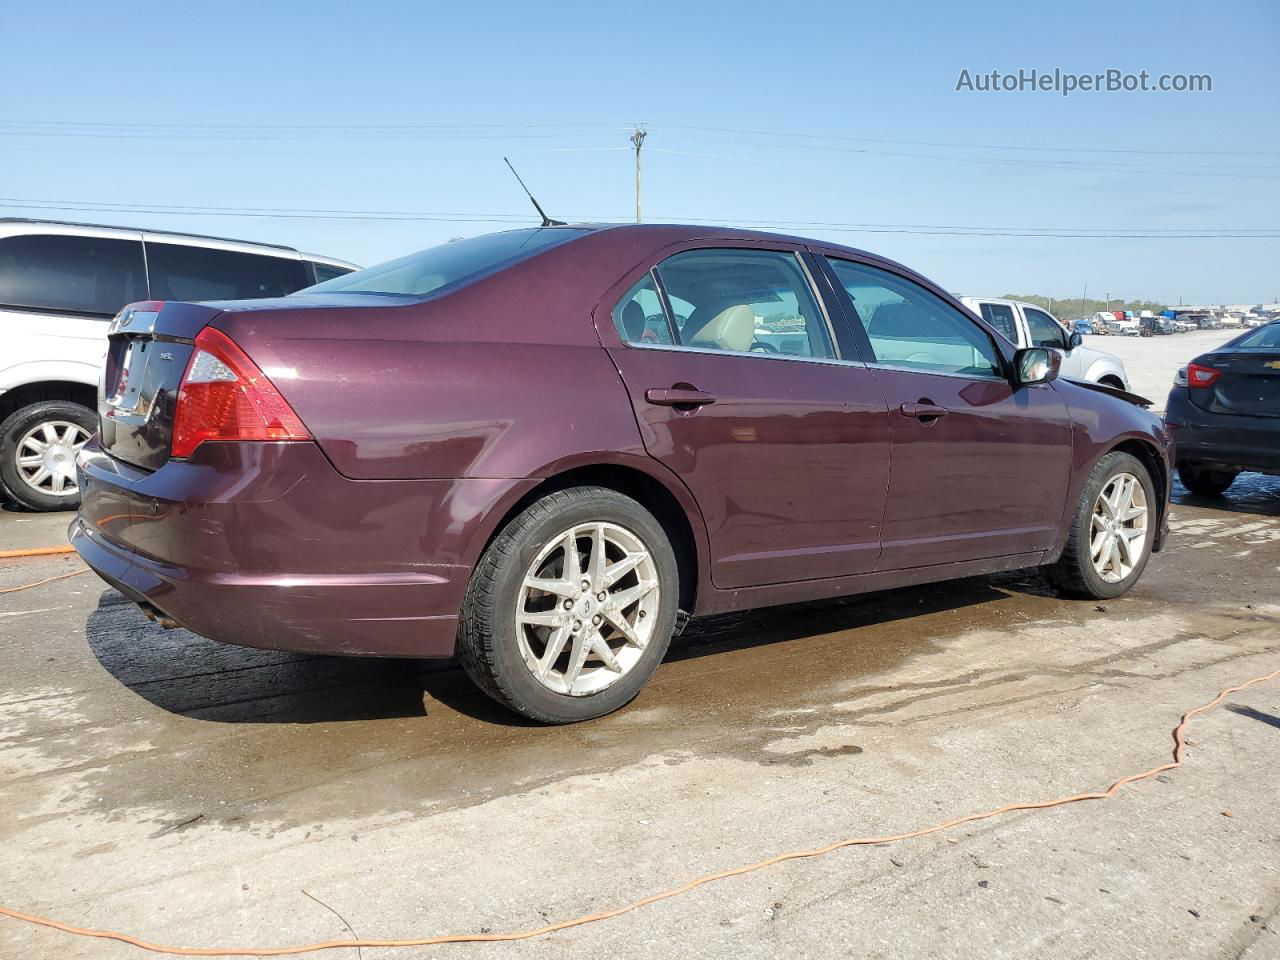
{"points": [[1111, 532], [572, 606], [38, 447]]}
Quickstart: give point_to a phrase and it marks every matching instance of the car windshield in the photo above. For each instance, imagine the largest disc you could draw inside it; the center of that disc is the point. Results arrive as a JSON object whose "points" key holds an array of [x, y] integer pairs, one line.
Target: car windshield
{"points": [[430, 270], [1264, 338]]}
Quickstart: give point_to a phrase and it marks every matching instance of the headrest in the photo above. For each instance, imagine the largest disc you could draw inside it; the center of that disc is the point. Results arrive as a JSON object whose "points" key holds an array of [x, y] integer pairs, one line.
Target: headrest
{"points": [[733, 328]]}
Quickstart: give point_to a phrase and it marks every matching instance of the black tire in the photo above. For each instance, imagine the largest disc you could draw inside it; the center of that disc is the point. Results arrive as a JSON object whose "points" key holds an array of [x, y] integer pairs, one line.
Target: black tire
{"points": [[1074, 573], [1205, 483], [487, 640], [15, 427]]}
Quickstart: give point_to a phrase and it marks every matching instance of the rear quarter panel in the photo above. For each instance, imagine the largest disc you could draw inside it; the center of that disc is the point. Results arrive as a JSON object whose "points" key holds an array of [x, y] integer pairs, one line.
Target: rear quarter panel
{"points": [[501, 379]]}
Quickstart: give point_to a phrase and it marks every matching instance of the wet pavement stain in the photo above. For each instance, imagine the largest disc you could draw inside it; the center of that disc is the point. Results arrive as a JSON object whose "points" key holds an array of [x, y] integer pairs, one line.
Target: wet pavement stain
{"points": [[174, 729]]}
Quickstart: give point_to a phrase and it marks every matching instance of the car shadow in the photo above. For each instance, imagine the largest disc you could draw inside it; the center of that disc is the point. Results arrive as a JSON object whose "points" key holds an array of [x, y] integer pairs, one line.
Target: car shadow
{"points": [[1252, 493], [190, 676]]}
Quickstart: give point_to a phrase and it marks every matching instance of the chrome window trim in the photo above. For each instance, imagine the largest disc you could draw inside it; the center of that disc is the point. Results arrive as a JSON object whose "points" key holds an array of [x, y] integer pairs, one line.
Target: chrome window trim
{"points": [[938, 373], [677, 348]]}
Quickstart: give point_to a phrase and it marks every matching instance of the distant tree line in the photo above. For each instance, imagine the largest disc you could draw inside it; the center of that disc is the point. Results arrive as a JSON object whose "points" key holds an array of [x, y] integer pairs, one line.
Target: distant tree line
{"points": [[1070, 308]]}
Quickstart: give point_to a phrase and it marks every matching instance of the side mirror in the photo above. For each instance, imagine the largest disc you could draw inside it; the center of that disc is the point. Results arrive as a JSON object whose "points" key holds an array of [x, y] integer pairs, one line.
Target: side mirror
{"points": [[1074, 340], [1036, 365]]}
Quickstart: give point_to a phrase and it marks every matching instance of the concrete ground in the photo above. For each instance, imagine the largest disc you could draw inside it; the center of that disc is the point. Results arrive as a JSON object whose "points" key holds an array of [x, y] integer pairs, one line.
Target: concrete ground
{"points": [[1151, 361], [199, 794]]}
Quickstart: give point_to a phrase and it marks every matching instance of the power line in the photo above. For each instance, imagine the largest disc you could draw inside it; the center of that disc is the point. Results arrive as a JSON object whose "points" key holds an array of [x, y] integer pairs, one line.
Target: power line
{"points": [[976, 146], [497, 127], [284, 213]]}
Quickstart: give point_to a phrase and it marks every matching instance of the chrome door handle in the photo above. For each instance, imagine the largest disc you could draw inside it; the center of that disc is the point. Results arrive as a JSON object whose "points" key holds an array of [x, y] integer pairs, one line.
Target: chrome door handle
{"points": [[675, 397], [923, 410]]}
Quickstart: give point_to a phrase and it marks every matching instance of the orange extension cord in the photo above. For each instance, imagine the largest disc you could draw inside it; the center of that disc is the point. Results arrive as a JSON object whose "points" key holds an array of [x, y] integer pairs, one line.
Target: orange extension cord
{"points": [[38, 552], [35, 552], [652, 898]]}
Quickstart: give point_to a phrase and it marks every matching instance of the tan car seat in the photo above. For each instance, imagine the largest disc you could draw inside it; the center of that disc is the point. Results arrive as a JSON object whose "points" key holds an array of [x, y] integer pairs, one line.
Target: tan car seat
{"points": [[733, 328]]}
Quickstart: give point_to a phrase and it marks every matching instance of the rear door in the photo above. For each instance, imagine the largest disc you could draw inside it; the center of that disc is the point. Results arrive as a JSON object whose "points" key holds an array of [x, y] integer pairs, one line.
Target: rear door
{"points": [[980, 469], [740, 387]]}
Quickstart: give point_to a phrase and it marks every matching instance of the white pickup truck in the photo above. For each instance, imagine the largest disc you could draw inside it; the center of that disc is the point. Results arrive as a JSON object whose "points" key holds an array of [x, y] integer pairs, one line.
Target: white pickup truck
{"points": [[1026, 325]]}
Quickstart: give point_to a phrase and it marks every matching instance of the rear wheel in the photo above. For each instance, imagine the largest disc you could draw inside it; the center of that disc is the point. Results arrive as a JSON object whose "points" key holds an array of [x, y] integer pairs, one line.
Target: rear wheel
{"points": [[1205, 483], [1111, 531], [38, 447], [572, 606]]}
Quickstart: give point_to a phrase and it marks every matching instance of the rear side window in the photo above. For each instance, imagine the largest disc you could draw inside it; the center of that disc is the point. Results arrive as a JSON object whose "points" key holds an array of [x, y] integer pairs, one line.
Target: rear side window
{"points": [[1000, 316], [93, 275], [430, 270], [744, 301], [325, 271], [181, 272], [639, 316]]}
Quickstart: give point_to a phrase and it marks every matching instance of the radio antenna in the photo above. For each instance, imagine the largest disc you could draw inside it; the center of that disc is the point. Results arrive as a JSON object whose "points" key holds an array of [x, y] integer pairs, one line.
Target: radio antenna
{"points": [[546, 221]]}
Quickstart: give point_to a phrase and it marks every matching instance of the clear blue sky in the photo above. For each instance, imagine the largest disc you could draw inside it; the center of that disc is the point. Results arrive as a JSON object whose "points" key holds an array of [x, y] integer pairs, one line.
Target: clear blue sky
{"points": [[409, 107]]}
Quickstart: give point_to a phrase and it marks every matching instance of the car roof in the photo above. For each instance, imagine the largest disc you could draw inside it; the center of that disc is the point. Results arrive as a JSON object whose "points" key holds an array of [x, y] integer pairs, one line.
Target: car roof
{"points": [[72, 228], [670, 233], [105, 229]]}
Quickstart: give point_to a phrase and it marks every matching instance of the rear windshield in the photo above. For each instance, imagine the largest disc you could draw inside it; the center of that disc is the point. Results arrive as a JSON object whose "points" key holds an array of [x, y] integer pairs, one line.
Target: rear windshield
{"points": [[429, 270], [1264, 338]]}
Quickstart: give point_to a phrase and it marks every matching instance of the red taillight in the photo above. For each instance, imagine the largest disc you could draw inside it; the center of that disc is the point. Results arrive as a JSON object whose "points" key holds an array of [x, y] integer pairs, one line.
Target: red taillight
{"points": [[224, 396], [1198, 376]]}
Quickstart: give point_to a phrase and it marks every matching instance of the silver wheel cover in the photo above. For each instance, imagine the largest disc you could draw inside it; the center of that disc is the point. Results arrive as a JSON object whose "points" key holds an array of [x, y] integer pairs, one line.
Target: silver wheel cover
{"points": [[1118, 527], [46, 457], [587, 608]]}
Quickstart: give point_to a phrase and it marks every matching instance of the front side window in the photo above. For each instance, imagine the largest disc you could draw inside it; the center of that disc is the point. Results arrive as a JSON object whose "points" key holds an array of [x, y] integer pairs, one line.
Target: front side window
{"points": [[910, 327], [744, 301], [182, 272], [1044, 330], [1000, 316], [430, 270], [93, 275]]}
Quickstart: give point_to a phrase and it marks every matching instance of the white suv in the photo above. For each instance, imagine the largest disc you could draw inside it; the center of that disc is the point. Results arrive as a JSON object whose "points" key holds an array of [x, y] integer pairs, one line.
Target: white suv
{"points": [[1026, 325], [60, 285]]}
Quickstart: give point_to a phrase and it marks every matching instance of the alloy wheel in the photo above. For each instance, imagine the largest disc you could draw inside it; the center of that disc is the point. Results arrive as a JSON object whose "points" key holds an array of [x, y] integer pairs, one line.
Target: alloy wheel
{"points": [[1118, 531], [46, 457], [587, 608]]}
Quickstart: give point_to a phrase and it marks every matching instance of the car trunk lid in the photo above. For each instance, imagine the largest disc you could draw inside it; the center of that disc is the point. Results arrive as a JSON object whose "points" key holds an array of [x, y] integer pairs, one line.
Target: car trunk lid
{"points": [[148, 347], [1248, 384]]}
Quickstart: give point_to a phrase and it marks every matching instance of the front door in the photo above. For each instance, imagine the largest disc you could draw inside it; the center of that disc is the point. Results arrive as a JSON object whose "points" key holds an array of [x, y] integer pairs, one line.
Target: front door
{"points": [[737, 387], [980, 468]]}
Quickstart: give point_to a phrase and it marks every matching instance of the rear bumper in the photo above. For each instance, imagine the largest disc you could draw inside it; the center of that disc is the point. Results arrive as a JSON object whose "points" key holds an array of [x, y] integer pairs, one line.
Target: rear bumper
{"points": [[266, 545], [1221, 441]]}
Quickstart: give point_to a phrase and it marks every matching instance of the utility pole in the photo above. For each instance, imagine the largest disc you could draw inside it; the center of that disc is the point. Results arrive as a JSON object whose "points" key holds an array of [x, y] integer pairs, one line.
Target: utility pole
{"points": [[638, 138], [1082, 297]]}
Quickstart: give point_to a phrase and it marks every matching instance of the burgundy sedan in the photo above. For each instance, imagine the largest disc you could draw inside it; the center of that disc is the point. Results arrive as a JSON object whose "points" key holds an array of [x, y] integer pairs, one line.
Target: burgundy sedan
{"points": [[543, 450]]}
